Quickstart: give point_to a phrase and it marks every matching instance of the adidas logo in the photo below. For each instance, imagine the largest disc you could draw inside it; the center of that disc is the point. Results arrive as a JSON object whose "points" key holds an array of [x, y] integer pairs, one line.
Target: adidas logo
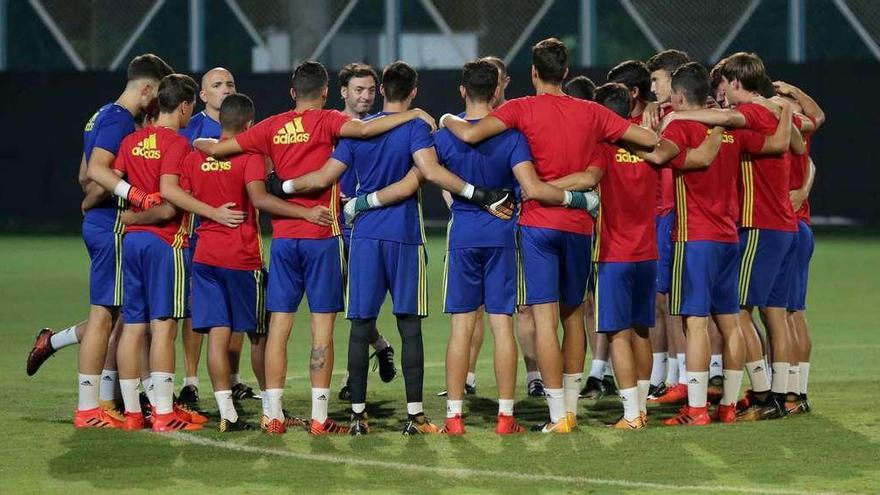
{"points": [[86, 383], [292, 133], [212, 165], [107, 378], [321, 397], [147, 148], [791, 372], [693, 381], [758, 368], [169, 380]]}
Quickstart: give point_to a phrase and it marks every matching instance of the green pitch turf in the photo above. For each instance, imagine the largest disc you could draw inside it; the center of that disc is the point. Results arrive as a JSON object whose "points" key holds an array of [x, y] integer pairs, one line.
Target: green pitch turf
{"points": [[43, 282]]}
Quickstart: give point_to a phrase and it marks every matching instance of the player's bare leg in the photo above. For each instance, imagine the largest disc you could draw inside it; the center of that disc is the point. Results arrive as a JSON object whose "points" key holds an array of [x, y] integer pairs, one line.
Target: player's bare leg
{"points": [[477, 339], [733, 355], [698, 351], [716, 362], [594, 388], [219, 369], [798, 321], [258, 359], [550, 358], [48, 343], [574, 347], [505, 360], [457, 354], [525, 335], [92, 353], [162, 364], [240, 391], [794, 371], [672, 341], [131, 366], [110, 375], [280, 325], [623, 352], [781, 347], [756, 367], [192, 352], [661, 351], [321, 371]]}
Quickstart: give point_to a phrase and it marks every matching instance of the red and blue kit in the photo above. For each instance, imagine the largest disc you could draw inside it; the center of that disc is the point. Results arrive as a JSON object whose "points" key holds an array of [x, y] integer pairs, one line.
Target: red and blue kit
{"points": [[805, 243]]}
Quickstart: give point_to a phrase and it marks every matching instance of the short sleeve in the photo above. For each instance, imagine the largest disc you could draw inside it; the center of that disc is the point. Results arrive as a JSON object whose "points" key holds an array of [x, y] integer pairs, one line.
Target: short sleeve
{"points": [[173, 157], [676, 133], [254, 169], [420, 136], [509, 114], [603, 156], [120, 162], [611, 126], [336, 120], [749, 140], [442, 144], [344, 152], [257, 138], [520, 151], [757, 117], [108, 137]]}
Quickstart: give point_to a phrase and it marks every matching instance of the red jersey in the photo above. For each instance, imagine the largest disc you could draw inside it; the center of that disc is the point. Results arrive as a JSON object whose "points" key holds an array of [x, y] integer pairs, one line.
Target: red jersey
{"points": [[799, 164], [299, 143], [665, 189], [217, 182], [144, 156], [765, 179], [625, 227], [703, 197], [563, 134]]}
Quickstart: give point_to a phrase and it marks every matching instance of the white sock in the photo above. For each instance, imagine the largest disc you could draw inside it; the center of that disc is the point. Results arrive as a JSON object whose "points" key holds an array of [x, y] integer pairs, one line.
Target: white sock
{"points": [[108, 384], [779, 380], [716, 366], [671, 371], [609, 368], [794, 379], [556, 403], [264, 402], [597, 368], [658, 369], [698, 386], [88, 391], [191, 380], [358, 408], [758, 375], [163, 387], [149, 390], [320, 398], [471, 379], [225, 405], [63, 338], [453, 408], [630, 400], [642, 387], [414, 408], [682, 369], [505, 407], [532, 375], [571, 386], [732, 383], [234, 379], [805, 375], [273, 404], [129, 389], [380, 344]]}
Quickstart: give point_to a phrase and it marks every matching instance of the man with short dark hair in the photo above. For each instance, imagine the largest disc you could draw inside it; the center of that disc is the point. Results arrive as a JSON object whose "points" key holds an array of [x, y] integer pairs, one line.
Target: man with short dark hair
{"points": [[581, 87]]}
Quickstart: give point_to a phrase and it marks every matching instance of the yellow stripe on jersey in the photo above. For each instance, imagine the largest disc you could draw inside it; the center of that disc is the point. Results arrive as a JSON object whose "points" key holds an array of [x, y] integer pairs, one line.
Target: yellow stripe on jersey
{"points": [[677, 276], [681, 206], [748, 198], [747, 263]]}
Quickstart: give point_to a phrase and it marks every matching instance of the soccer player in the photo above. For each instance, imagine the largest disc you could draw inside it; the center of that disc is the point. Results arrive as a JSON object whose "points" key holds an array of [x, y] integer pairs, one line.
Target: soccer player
{"points": [[102, 232], [358, 85], [705, 267], [305, 258], [562, 133], [387, 245]]}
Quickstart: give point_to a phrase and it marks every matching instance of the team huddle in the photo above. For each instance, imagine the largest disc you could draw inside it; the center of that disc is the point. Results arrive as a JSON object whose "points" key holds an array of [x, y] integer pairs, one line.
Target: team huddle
{"points": [[648, 216]]}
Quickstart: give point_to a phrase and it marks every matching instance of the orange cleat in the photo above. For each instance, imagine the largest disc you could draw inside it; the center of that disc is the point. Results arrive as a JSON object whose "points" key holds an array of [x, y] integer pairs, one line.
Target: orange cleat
{"points": [[507, 425], [327, 427], [95, 418], [189, 415], [644, 417], [453, 426], [725, 413], [623, 424], [747, 400], [172, 422], [273, 426], [134, 421], [676, 394], [41, 351], [691, 416]]}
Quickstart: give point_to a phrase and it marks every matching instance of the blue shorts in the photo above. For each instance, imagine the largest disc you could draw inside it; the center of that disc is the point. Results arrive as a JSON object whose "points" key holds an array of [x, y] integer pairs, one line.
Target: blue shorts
{"points": [[797, 299], [664, 225], [473, 277], [223, 297], [705, 279], [346, 238], [310, 267], [376, 267], [625, 295], [765, 275], [105, 271], [156, 279], [556, 265]]}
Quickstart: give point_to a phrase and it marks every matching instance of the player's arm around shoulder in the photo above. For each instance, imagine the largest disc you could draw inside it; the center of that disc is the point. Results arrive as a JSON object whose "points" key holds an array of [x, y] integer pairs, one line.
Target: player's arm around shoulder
{"points": [[360, 129], [277, 207], [169, 187], [473, 133], [156, 215]]}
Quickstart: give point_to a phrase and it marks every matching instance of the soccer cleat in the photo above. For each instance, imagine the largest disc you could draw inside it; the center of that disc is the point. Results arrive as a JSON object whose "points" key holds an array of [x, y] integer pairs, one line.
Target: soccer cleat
{"points": [[225, 425], [240, 392], [644, 417], [385, 363], [345, 392], [272, 426], [676, 394], [134, 421], [189, 395], [468, 390], [536, 388], [507, 425], [288, 422], [691, 416], [172, 422], [418, 424], [572, 419], [716, 389], [725, 413], [656, 391], [560, 426], [327, 427], [359, 425], [594, 389], [769, 408], [41, 351], [110, 408], [609, 385], [805, 404], [95, 418], [453, 426], [623, 424], [747, 400], [189, 415]]}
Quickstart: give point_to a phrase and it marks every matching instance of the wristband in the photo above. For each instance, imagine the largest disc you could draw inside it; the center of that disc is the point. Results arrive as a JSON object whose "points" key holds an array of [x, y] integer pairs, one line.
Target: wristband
{"points": [[443, 117], [567, 200], [373, 200], [122, 188], [467, 191], [288, 187]]}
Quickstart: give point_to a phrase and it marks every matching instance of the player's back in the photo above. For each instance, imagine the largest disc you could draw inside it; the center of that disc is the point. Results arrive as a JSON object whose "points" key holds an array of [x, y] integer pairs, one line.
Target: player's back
{"points": [[216, 182], [105, 129], [201, 126], [381, 161]]}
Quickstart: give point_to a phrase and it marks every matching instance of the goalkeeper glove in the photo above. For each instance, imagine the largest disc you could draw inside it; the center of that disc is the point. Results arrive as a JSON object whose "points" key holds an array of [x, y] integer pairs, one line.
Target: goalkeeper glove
{"points": [[360, 204], [275, 186], [498, 202]]}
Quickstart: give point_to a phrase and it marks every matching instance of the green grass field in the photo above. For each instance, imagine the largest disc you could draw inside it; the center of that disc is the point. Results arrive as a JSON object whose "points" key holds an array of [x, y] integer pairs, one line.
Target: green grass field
{"points": [[43, 282]]}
